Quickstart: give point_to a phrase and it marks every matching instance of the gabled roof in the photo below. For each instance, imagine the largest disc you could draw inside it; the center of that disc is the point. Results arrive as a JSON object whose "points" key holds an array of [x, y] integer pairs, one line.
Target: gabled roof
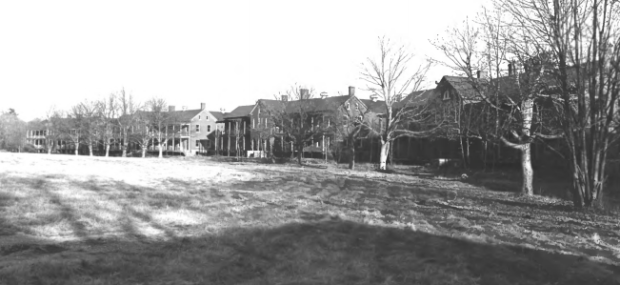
{"points": [[240, 111], [187, 115], [415, 98], [217, 115], [463, 86], [375, 107]]}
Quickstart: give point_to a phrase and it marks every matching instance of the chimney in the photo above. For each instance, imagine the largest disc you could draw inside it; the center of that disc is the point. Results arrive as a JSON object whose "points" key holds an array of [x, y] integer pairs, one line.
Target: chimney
{"points": [[303, 93], [324, 95], [509, 69], [284, 97], [478, 74], [374, 97], [170, 108], [203, 106], [351, 90], [481, 74]]}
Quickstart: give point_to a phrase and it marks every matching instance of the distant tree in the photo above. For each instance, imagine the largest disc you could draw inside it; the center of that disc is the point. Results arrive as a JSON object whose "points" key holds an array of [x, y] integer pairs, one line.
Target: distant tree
{"points": [[12, 131], [126, 109], [350, 124], [141, 133], [106, 117], [390, 78], [298, 120], [58, 129], [159, 121], [87, 121]]}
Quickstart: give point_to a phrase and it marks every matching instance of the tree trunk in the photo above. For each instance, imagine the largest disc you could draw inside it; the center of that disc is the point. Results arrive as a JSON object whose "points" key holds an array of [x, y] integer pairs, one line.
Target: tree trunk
{"points": [[528, 172], [352, 159], [143, 152], [385, 151], [300, 150], [77, 149], [90, 149], [161, 150], [107, 150], [125, 143], [463, 156], [485, 153], [467, 154]]}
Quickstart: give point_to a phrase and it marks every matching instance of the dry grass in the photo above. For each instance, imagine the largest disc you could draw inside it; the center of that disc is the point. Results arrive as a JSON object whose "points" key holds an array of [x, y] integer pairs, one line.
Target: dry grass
{"points": [[82, 220]]}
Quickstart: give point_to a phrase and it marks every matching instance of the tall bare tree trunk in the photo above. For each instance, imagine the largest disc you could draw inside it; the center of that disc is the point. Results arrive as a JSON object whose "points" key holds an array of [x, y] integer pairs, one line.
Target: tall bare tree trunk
{"points": [[107, 150], [385, 151], [527, 111], [90, 149], [77, 149], [143, 152]]}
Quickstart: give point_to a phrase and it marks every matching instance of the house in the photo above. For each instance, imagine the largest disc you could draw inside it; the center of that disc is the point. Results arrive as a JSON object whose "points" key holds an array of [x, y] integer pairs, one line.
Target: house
{"points": [[188, 131], [233, 135], [252, 130]]}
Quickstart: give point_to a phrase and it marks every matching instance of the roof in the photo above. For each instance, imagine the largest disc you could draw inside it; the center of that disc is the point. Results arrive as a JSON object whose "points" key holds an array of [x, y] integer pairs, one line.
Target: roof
{"points": [[313, 104], [217, 115], [463, 86], [375, 107], [415, 98], [187, 115], [240, 111]]}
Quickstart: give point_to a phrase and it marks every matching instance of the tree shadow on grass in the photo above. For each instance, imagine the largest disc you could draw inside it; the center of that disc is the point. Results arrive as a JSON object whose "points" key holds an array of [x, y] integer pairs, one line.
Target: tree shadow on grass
{"points": [[327, 252]]}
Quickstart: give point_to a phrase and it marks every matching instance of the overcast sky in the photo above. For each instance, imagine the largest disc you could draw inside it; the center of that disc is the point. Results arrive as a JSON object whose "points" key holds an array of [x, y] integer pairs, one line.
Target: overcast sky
{"points": [[223, 53]]}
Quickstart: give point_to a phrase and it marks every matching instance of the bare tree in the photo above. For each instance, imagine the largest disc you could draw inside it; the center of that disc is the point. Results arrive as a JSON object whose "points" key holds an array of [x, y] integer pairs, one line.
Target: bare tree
{"points": [[159, 120], [582, 41], [126, 116], [299, 121], [141, 133], [350, 124], [479, 52], [86, 116], [107, 114], [391, 78]]}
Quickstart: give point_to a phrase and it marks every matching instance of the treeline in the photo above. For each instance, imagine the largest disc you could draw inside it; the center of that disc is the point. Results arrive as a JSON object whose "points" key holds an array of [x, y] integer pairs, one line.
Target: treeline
{"points": [[116, 120]]}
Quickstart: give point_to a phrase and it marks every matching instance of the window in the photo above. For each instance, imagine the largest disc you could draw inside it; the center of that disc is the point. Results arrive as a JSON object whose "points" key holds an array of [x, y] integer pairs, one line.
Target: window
{"points": [[198, 117], [209, 128], [446, 95], [198, 128], [206, 117]]}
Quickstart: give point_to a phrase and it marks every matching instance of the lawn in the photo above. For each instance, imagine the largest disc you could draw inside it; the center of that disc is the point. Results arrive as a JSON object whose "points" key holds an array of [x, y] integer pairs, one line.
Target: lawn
{"points": [[84, 220]]}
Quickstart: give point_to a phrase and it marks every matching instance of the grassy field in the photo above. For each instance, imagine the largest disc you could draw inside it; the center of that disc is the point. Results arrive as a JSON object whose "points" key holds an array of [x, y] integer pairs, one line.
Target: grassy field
{"points": [[83, 220]]}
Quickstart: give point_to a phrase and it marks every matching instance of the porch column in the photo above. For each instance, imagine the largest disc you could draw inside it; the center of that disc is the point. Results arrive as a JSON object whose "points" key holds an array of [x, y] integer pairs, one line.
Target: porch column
{"points": [[244, 134], [228, 144]]}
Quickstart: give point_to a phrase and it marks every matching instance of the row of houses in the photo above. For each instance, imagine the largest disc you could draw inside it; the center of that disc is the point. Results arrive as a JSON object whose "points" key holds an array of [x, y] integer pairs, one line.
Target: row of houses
{"points": [[191, 133], [242, 131]]}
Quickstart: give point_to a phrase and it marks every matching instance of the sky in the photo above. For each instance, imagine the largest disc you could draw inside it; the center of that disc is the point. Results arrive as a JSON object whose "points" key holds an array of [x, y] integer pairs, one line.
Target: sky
{"points": [[56, 54]]}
